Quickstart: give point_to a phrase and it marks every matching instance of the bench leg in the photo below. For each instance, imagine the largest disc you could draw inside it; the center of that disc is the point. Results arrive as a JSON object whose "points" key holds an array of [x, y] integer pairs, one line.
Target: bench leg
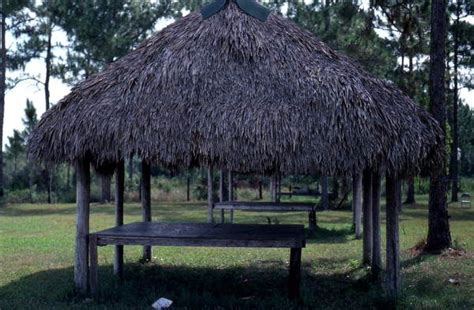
{"points": [[118, 261], [295, 273], [93, 268], [231, 217], [222, 216]]}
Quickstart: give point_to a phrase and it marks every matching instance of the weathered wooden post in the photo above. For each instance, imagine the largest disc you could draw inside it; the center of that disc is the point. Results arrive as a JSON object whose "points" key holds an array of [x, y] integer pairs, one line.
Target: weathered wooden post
{"points": [[273, 185], [295, 273], [210, 198], [221, 193], [376, 251], [81, 259], [146, 203], [324, 192], [312, 225], [188, 188], [312, 219], [231, 195], [357, 204], [367, 217], [278, 190], [119, 191], [393, 199]]}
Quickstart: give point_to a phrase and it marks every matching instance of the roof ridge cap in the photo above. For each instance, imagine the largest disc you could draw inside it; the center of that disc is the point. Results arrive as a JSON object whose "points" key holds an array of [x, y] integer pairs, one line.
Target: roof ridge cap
{"points": [[251, 7]]}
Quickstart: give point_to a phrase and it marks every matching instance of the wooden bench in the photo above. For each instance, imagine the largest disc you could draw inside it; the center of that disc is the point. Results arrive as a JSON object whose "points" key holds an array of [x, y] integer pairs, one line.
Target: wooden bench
{"points": [[208, 235], [270, 207]]}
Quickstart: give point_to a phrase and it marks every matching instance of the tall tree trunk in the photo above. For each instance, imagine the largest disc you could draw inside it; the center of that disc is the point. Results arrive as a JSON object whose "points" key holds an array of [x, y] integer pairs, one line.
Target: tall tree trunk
{"points": [[439, 236], [410, 199], [454, 165], [49, 175], [3, 66], [260, 189], [48, 66]]}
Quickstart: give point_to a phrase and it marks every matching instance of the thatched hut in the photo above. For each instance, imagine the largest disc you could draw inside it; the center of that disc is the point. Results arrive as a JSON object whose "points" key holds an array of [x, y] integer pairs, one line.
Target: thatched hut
{"points": [[239, 88]]}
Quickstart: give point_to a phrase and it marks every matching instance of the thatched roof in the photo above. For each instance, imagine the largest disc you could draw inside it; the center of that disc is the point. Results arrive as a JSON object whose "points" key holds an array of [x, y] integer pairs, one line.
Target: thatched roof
{"points": [[241, 93]]}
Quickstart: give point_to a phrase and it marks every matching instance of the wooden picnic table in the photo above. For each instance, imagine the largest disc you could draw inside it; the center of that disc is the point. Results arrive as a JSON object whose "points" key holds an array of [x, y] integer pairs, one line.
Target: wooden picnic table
{"points": [[269, 207], [208, 235]]}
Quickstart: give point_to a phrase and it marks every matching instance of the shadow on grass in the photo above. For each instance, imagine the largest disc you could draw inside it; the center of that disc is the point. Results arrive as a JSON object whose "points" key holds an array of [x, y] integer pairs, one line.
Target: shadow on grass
{"points": [[420, 211], [255, 287], [330, 235]]}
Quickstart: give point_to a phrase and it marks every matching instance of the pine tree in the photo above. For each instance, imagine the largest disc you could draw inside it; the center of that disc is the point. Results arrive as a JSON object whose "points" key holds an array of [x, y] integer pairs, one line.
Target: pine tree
{"points": [[15, 148], [12, 14], [439, 236], [461, 35]]}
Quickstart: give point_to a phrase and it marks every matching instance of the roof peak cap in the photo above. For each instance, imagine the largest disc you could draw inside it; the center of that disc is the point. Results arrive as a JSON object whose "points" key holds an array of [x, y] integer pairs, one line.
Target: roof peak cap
{"points": [[251, 7]]}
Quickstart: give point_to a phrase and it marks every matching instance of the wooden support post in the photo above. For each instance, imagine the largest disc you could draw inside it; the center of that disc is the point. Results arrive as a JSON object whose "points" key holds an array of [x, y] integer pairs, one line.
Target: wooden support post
{"points": [[335, 188], [324, 192], [221, 193], [278, 191], [312, 222], [231, 195], [210, 198], [357, 204], [376, 251], [105, 184], [81, 259], [367, 217], [119, 191], [273, 185], [94, 268], [188, 188], [295, 273], [393, 191], [146, 204]]}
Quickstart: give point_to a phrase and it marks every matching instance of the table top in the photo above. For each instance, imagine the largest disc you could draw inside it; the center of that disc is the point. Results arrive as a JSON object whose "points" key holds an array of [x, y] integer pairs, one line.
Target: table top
{"points": [[266, 206], [206, 231]]}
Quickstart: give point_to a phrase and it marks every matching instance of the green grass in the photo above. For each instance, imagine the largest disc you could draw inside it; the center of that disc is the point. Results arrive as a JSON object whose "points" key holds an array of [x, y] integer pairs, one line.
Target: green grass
{"points": [[36, 251]]}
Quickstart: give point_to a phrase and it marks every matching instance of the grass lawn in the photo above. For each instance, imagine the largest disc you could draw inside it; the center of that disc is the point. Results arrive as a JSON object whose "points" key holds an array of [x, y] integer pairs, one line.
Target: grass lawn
{"points": [[36, 254]]}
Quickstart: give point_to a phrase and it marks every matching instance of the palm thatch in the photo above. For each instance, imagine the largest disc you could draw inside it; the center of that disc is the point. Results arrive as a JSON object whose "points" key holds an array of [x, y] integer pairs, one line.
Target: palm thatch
{"points": [[242, 94]]}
